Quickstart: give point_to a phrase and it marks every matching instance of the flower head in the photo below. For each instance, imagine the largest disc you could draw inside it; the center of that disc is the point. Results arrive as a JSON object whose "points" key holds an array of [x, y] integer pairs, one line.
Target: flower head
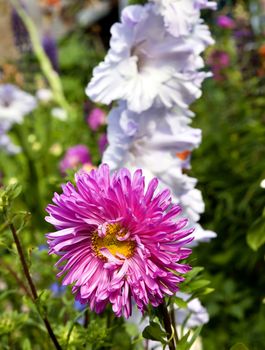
{"points": [[146, 65], [194, 315], [225, 22], [118, 240], [96, 118], [75, 156], [15, 104]]}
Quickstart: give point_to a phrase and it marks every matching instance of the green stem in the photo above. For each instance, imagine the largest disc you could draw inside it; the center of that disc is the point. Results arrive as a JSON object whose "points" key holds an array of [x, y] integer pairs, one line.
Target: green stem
{"points": [[172, 315], [34, 294], [86, 322], [168, 325]]}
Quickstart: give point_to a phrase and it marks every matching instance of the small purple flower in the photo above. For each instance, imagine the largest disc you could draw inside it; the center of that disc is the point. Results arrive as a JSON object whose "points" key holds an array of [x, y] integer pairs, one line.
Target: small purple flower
{"points": [[242, 33], [225, 22], [78, 306], [57, 289], [96, 118], [50, 47], [219, 60], [21, 36], [102, 143], [42, 247], [117, 240], [75, 156]]}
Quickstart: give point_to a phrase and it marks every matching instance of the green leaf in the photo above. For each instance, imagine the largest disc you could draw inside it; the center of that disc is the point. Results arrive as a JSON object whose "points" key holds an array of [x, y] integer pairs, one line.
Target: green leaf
{"points": [[183, 342], [195, 335], [5, 294], [14, 190], [131, 329], [180, 302], [7, 195], [256, 234], [11, 321], [43, 301], [239, 346], [26, 345], [154, 332], [193, 273], [198, 284]]}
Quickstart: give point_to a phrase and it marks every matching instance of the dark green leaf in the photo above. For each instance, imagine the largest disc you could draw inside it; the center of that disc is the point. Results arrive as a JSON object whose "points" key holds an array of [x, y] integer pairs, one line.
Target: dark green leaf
{"points": [[256, 234], [154, 332]]}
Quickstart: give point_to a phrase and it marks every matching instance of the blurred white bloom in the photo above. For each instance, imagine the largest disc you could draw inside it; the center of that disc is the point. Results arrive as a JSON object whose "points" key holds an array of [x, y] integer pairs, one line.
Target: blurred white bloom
{"points": [[181, 16], [5, 141], [146, 65], [262, 184], [44, 95], [200, 235], [3, 285], [59, 113], [14, 104], [153, 69], [206, 4], [141, 140], [159, 142], [195, 313]]}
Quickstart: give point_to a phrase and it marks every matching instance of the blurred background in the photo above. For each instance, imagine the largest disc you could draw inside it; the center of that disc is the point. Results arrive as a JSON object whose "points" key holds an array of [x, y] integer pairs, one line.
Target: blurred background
{"points": [[66, 131]]}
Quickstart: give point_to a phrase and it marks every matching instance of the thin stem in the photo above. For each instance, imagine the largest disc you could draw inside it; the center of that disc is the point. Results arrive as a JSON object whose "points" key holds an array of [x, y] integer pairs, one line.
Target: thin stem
{"points": [[172, 315], [23, 262], [19, 281], [167, 324], [86, 321], [31, 285]]}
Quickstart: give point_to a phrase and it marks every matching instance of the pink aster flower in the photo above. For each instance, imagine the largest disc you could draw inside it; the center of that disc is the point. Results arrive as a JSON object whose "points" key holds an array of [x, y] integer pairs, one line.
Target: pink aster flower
{"points": [[96, 118], [225, 22], [118, 240], [75, 156]]}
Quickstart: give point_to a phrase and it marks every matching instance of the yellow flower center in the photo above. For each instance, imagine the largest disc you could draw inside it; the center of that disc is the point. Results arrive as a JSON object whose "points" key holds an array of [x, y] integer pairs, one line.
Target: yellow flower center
{"points": [[110, 241]]}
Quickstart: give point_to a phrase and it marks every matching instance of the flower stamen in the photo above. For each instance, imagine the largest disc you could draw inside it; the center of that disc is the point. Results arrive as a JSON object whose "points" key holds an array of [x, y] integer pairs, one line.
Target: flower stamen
{"points": [[111, 242]]}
